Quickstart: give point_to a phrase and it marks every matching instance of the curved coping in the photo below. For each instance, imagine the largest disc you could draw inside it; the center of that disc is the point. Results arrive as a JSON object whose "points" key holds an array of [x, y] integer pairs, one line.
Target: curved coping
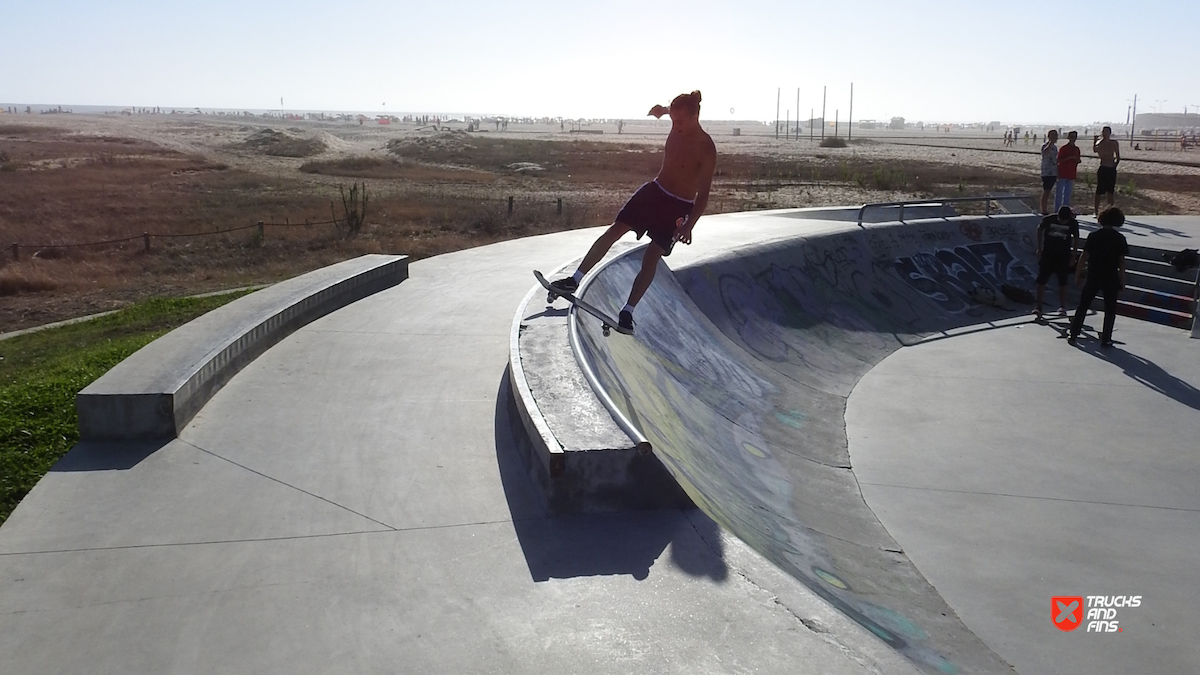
{"points": [[585, 362]]}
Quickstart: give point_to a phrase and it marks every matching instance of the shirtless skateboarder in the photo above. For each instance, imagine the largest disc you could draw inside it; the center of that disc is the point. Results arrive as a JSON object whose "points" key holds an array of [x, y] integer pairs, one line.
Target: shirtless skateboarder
{"points": [[667, 207], [1109, 151]]}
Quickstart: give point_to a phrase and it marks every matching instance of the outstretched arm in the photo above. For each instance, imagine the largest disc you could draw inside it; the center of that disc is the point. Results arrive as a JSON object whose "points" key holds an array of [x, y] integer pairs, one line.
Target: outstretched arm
{"points": [[658, 111]]}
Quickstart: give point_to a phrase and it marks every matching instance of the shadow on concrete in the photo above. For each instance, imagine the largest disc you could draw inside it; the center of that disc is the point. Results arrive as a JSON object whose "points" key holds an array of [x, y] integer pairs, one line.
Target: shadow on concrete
{"points": [[1146, 372], [108, 456], [1147, 230], [624, 543], [548, 312]]}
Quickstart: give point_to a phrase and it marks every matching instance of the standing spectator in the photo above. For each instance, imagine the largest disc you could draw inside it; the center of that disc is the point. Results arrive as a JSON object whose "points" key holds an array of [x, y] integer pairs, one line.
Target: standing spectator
{"points": [[1109, 151], [1057, 240], [1068, 162], [1104, 258], [1049, 169]]}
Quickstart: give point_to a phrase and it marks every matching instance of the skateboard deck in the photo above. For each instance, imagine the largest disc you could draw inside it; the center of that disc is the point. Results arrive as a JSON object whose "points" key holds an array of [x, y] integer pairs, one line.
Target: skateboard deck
{"points": [[607, 323]]}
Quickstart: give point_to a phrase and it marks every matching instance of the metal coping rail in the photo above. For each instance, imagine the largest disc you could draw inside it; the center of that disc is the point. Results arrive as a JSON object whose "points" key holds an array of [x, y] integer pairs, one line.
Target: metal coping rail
{"points": [[938, 202], [585, 364]]}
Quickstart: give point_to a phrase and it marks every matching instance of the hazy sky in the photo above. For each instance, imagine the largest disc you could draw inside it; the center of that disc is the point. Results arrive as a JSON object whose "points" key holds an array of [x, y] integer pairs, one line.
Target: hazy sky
{"points": [[1067, 61]]}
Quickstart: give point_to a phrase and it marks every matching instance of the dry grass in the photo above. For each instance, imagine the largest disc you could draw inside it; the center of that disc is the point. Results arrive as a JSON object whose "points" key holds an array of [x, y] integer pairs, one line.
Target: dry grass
{"points": [[393, 169], [430, 193], [283, 144], [25, 278]]}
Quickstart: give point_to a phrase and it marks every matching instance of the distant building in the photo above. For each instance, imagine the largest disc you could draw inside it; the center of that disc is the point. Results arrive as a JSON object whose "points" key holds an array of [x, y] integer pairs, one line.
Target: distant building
{"points": [[896, 123], [1148, 121]]}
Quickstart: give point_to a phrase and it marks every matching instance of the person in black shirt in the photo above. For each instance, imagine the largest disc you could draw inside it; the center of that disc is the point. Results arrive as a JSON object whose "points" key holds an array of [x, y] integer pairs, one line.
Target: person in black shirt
{"points": [[1057, 241], [1104, 255]]}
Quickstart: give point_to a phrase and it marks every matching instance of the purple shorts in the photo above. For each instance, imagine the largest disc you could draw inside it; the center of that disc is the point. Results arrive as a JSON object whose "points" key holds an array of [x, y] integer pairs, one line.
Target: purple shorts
{"points": [[654, 210]]}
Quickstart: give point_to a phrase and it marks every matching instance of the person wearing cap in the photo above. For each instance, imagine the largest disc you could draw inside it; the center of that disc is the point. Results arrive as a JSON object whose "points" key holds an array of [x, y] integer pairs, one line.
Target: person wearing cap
{"points": [[1057, 240]]}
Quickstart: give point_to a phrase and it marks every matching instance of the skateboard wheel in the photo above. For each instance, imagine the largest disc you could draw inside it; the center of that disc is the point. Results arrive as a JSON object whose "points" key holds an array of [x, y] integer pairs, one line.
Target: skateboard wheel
{"points": [[606, 330]]}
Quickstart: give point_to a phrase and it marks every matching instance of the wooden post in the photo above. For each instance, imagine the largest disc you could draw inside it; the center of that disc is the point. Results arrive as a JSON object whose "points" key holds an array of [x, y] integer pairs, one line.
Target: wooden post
{"points": [[560, 206], [777, 91], [16, 252], [146, 239], [510, 205]]}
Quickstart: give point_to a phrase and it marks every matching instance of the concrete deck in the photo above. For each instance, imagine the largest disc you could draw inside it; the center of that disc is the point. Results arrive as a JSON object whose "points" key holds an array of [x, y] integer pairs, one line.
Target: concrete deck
{"points": [[1031, 469], [354, 500]]}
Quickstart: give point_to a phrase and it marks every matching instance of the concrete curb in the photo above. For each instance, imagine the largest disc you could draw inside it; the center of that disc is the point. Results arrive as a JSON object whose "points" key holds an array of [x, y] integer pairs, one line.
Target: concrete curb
{"points": [[601, 478], [548, 459], [155, 392]]}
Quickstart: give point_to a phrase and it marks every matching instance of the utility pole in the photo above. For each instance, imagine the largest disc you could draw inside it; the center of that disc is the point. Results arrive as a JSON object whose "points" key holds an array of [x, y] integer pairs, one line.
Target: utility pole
{"points": [[787, 129], [1133, 125], [850, 117], [811, 112], [777, 92], [823, 91], [798, 113]]}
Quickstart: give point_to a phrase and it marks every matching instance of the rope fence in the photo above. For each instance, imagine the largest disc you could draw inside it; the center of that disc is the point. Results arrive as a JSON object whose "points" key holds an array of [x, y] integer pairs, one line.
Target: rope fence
{"points": [[147, 236], [261, 226]]}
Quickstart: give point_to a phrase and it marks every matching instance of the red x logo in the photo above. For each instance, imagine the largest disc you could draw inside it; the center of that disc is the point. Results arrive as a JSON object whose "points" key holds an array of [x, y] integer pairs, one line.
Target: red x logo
{"points": [[1067, 612]]}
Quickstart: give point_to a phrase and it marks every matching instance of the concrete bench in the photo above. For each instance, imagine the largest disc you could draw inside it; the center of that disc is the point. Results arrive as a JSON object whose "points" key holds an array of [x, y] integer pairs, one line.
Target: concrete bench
{"points": [[155, 392]]}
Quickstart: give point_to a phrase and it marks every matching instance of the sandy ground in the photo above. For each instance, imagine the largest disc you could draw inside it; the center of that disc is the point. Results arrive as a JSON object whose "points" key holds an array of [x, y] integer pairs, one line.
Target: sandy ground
{"points": [[1169, 181]]}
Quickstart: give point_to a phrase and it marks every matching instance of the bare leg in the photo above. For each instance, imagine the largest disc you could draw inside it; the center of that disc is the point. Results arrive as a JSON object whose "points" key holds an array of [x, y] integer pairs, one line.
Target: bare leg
{"points": [[1045, 202], [1062, 297], [649, 266], [605, 242], [1041, 292]]}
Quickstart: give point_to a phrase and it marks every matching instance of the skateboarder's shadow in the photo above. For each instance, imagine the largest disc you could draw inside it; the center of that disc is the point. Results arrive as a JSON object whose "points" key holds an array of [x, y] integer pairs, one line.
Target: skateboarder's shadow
{"points": [[1147, 372], [603, 544], [548, 312]]}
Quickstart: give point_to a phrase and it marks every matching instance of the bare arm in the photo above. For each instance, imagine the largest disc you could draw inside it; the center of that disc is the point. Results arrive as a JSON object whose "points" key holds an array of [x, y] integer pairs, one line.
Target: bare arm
{"points": [[1116, 153], [658, 111], [1080, 266], [706, 176]]}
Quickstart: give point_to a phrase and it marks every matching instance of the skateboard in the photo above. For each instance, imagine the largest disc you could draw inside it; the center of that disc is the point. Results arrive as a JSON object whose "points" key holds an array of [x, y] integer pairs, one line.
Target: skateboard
{"points": [[607, 323]]}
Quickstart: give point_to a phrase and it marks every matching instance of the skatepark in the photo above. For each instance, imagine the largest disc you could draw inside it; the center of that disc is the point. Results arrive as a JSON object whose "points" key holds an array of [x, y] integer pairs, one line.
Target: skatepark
{"points": [[820, 452]]}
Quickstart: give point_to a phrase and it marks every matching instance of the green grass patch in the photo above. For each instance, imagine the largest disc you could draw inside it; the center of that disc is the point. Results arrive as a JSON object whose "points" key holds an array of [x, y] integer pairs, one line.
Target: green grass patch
{"points": [[41, 372]]}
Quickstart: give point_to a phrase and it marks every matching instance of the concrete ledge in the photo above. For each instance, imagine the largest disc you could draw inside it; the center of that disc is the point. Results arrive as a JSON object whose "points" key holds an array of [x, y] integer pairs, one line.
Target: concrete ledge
{"points": [[155, 392], [577, 453]]}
